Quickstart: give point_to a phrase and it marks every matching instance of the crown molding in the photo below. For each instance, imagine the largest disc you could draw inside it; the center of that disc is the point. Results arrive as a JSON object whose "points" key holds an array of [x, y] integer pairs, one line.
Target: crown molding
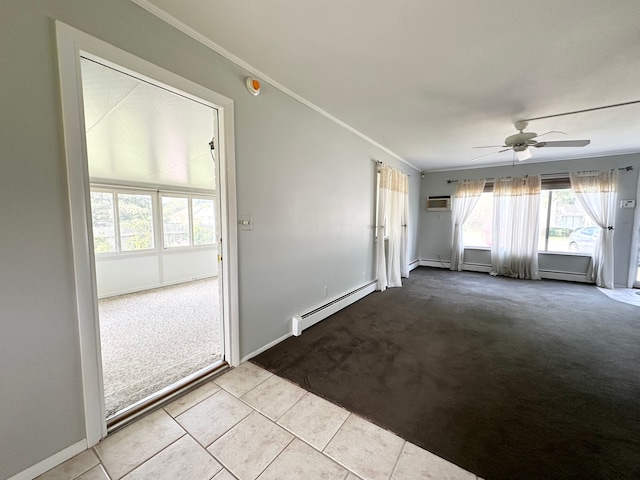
{"points": [[171, 20]]}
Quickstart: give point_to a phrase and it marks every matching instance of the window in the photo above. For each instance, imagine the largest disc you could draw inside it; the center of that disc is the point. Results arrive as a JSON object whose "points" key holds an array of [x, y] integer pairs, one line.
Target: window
{"points": [[131, 228], [564, 225], [135, 215], [175, 221], [204, 222], [104, 227], [188, 221], [478, 227], [127, 221]]}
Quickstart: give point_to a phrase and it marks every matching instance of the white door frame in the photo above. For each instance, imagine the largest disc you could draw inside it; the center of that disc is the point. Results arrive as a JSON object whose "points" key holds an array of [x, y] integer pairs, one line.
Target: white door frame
{"points": [[71, 44]]}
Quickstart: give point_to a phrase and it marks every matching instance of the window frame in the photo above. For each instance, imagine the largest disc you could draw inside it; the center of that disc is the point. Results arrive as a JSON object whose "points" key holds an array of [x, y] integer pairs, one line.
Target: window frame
{"points": [[157, 224], [548, 186], [189, 197], [114, 191]]}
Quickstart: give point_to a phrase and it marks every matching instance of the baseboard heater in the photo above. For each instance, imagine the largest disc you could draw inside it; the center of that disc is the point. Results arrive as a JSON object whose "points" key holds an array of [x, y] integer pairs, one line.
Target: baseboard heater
{"points": [[306, 320]]}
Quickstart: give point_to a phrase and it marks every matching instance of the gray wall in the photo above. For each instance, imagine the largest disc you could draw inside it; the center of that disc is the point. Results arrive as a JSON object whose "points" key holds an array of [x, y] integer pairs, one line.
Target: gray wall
{"points": [[308, 183], [435, 227]]}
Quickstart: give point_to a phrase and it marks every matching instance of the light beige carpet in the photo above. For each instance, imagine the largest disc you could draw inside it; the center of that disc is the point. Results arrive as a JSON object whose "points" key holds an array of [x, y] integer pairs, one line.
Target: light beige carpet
{"points": [[154, 338]]}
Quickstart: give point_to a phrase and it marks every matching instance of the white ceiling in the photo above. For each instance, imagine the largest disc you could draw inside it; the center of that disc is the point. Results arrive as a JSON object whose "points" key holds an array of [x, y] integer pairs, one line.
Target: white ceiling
{"points": [[430, 79], [139, 133]]}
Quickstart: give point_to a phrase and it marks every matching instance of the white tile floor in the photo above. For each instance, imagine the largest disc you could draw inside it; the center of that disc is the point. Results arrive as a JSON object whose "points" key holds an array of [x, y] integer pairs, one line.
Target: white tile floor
{"points": [[249, 424]]}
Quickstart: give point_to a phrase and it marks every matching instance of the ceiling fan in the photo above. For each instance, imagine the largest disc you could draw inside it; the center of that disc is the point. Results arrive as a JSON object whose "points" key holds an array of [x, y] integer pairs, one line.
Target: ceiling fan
{"points": [[521, 141]]}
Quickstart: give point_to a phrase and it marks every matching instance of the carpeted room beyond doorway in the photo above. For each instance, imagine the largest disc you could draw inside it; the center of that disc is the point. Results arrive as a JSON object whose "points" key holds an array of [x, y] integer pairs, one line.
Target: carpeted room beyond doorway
{"points": [[153, 338], [509, 379]]}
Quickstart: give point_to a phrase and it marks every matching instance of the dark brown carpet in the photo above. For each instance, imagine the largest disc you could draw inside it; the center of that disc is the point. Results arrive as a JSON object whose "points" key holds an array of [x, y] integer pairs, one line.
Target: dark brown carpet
{"points": [[509, 379]]}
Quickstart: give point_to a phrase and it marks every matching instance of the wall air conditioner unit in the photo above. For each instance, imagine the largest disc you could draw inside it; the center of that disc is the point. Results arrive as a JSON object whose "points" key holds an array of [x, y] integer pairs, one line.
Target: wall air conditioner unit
{"points": [[439, 203]]}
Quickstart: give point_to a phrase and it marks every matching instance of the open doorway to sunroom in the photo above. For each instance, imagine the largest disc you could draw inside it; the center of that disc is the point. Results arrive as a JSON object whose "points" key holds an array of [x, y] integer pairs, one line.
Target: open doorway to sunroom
{"points": [[155, 218]]}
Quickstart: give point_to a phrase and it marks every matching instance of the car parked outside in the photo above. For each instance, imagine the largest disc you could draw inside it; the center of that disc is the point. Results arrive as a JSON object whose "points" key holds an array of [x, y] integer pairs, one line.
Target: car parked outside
{"points": [[584, 239]]}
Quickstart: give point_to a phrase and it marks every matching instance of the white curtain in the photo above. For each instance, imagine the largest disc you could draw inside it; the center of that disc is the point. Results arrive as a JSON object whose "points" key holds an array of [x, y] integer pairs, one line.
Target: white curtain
{"points": [[464, 201], [516, 212], [393, 215], [634, 263], [597, 192]]}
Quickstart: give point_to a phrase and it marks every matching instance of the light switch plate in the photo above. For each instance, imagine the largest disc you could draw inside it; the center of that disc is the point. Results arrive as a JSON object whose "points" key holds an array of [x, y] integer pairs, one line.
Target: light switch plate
{"points": [[245, 222]]}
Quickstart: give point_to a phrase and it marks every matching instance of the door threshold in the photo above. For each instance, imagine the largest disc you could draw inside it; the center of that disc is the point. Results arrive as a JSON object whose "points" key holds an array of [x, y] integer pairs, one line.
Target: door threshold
{"points": [[133, 412]]}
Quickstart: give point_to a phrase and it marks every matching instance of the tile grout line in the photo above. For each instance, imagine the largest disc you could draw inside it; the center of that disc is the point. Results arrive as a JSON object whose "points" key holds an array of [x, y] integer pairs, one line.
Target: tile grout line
{"points": [[294, 403], [266, 417], [101, 461], [336, 433], [395, 465], [252, 388], [81, 473], [155, 454], [222, 467], [276, 457], [195, 404], [238, 423]]}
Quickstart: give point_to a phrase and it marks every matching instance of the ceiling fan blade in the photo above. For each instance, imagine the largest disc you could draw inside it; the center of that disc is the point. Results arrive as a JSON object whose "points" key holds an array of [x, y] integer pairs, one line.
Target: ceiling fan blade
{"points": [[563, 143], [547, 133], [491, 146], [492, 153]]}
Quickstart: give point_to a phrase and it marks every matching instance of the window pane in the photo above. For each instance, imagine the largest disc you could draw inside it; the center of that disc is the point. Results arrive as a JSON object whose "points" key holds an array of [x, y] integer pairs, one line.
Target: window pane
{"points": [[204, 222], [136, 222], [570, 228], [175, 221], [478, 227], [104, 232]]}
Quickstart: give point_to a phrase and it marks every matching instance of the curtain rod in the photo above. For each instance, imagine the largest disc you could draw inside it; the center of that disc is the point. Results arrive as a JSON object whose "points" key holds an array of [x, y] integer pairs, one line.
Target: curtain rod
{"points": [[549, 175], [382, 163]]}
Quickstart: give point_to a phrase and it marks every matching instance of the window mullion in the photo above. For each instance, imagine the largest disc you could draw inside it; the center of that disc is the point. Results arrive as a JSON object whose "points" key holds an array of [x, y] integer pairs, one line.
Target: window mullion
{"points": [[116, 220], [190, 206], [157, 221], [546, 235]]}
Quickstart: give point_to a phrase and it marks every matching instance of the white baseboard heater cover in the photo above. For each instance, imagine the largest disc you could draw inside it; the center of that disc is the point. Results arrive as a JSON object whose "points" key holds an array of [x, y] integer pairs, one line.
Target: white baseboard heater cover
{"points": [[296, 325], [306, 320]]}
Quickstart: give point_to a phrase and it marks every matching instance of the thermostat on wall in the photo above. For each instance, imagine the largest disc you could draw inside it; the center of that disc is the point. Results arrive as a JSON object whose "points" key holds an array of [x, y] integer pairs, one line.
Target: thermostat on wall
{"points": [[627, 203]]}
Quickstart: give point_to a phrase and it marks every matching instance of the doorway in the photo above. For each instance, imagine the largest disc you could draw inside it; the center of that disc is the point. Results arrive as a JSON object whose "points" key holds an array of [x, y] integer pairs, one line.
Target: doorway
{"points": [[160, 256], [151, 158]]}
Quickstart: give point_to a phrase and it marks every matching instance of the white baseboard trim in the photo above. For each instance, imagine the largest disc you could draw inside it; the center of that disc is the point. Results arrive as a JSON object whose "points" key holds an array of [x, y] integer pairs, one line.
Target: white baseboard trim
{"points": [[265, 348], [567, 276], [545, 274], [414, 264], [434, 263], [153, 286], [477, 267], [306, 320], [318, 314], [51, 462]]}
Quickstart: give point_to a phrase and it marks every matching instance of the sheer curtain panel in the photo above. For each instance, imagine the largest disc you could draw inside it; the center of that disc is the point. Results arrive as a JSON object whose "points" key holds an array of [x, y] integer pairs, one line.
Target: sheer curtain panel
{"points": [[516, 212], [393, 215], [464, 201], [597, 192]]}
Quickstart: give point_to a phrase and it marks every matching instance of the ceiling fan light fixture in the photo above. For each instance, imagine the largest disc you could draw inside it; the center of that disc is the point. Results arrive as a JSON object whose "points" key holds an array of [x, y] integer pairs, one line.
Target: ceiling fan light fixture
{"points": [[523, 155]]}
